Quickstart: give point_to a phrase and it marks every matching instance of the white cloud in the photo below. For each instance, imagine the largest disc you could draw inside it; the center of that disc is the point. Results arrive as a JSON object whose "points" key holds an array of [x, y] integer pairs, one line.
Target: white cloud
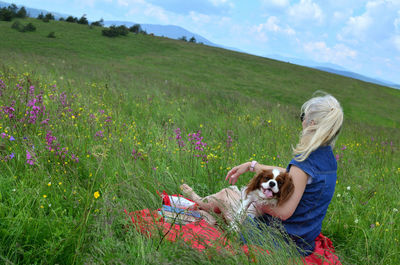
{"points": [[396, 42], [218, 2], [272, 25], [275, 3], [377, 23], [319, 51], [143, 8], [396, 22], [199, 18], [306, 11]]}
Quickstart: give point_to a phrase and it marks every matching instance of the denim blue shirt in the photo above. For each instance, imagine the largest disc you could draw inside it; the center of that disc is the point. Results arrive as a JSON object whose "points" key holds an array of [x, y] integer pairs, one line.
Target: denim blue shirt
{"points": [[306, 222]]}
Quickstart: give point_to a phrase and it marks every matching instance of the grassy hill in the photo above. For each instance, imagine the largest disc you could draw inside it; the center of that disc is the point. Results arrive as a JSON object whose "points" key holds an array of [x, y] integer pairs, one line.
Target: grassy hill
{"points": [[105, 138]]}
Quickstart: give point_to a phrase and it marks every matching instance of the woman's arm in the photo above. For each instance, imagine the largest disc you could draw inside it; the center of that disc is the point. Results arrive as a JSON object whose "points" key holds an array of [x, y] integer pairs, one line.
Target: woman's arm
{"points": [[235, 172], [287, 209]]}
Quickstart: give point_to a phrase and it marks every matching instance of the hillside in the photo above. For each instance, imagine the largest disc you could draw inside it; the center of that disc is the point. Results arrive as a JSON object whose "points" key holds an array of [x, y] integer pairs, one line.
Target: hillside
{"points": [[91, 127], [196, 66]]}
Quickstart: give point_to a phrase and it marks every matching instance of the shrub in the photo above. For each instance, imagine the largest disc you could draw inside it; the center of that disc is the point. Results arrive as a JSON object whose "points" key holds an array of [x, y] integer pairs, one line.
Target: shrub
{"points": [[16, 25], [99, 23], [114, 31], [51, 35], [123, 30], [28, 27], [40, 16]]}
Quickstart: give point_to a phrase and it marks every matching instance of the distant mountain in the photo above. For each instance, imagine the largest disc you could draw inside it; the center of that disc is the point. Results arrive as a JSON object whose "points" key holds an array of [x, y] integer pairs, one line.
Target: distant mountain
{"points": [[359, 77], [334, 69]]}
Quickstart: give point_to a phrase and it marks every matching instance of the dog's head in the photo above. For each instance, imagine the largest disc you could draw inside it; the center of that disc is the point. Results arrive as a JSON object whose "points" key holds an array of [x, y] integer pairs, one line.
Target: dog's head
{"points": [[272, 184]]}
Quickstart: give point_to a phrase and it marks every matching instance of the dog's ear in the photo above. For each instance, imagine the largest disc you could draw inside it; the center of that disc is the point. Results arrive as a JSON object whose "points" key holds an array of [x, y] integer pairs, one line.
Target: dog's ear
{"points": [[287, 188], [256, 180]]}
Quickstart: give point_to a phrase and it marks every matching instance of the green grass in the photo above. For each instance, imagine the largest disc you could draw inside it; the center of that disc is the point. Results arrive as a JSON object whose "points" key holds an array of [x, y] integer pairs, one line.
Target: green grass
{"points": [[150, 86]]}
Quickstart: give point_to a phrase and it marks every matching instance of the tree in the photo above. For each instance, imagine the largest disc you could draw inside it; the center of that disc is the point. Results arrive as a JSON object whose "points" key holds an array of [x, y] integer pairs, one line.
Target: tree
{"points": [[192, 39], [22, 13], [72, 19], [49, 16], [136, 28], [183, 38], [40, 16], [13, 8], [83, 20], [6, 14]]}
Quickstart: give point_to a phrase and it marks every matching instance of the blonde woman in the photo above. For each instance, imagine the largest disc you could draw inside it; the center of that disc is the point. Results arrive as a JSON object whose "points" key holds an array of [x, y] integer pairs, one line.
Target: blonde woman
{"points": [[314, 172]]}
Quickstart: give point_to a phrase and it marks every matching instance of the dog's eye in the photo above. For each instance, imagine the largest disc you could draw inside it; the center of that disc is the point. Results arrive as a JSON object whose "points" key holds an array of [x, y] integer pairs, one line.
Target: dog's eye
{"points": [[280, 182]]}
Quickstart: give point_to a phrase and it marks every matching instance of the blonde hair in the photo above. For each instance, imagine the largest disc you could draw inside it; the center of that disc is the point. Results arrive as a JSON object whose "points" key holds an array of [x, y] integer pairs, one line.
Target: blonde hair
{"points": [[324, 117]]}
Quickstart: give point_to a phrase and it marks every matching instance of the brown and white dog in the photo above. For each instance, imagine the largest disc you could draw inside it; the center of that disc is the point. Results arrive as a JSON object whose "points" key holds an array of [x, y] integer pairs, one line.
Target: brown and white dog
{"points": [[268, 187]]}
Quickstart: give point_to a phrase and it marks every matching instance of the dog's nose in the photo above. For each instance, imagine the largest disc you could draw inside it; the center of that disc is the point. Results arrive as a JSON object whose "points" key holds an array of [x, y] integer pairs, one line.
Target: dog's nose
{"points": [[272, 184]]}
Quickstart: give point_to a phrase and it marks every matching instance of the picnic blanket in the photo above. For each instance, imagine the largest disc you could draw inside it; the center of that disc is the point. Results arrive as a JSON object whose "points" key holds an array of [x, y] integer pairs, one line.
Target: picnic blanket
{"points": [[200, 235]]}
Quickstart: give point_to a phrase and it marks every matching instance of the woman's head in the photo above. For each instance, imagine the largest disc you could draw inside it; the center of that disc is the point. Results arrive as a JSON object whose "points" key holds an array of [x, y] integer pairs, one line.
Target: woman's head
{"points": [[322, 118]]}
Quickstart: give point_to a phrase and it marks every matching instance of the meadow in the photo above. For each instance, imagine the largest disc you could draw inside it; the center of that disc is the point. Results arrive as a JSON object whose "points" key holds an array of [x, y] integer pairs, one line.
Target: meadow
{"points": [[91, 126]]}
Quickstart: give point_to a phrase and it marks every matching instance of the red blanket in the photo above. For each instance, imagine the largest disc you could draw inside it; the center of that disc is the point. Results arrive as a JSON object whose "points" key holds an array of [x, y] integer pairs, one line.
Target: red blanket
{"points": [[200, 235]]}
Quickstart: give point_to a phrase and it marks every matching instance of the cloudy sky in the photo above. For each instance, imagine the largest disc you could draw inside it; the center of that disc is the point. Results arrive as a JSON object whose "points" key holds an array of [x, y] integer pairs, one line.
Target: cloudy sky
{"points": [[361, 36]]}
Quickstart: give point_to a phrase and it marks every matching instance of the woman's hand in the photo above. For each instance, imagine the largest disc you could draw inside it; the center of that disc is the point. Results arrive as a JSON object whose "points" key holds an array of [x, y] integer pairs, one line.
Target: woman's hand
{"points": [[235, 172]]}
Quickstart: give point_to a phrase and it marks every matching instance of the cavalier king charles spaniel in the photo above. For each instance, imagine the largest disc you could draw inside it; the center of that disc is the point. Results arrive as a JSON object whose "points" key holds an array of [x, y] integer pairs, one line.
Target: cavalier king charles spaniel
{"points": [[268, 187]]}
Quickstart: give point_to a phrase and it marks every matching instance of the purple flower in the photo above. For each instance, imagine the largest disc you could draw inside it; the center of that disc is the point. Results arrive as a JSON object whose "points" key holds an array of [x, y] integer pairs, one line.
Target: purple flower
{"points": [[136, 154], [12, 155], [29, 158], [12, 138], [75, 158], [344, 147], [99, 134], [178, 137]]}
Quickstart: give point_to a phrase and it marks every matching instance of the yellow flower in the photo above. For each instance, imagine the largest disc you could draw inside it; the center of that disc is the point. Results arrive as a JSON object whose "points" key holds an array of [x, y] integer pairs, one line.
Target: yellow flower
{"points": [[96, 194], [45, 196], [377, 224], [49, 184], [41, 206]]}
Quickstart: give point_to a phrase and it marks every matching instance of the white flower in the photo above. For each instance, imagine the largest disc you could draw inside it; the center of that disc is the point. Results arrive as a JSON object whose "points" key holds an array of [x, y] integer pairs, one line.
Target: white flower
{"points": [[13, 189], [348, 187], [338, 195], [356, 221], [395, 210], [50, 205]]}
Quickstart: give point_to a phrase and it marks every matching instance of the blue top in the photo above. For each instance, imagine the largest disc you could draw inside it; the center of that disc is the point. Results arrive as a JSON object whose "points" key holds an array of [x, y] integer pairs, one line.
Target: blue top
{"points": [[306, 222]]}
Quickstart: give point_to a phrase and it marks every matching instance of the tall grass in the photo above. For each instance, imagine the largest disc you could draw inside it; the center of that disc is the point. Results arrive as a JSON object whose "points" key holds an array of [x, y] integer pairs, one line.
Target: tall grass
{"points": [[115, 124]]}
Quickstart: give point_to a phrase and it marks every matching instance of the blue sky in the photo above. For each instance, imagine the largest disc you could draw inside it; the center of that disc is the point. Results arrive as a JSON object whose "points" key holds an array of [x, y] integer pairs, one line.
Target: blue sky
{"points": [[361, 36]]}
